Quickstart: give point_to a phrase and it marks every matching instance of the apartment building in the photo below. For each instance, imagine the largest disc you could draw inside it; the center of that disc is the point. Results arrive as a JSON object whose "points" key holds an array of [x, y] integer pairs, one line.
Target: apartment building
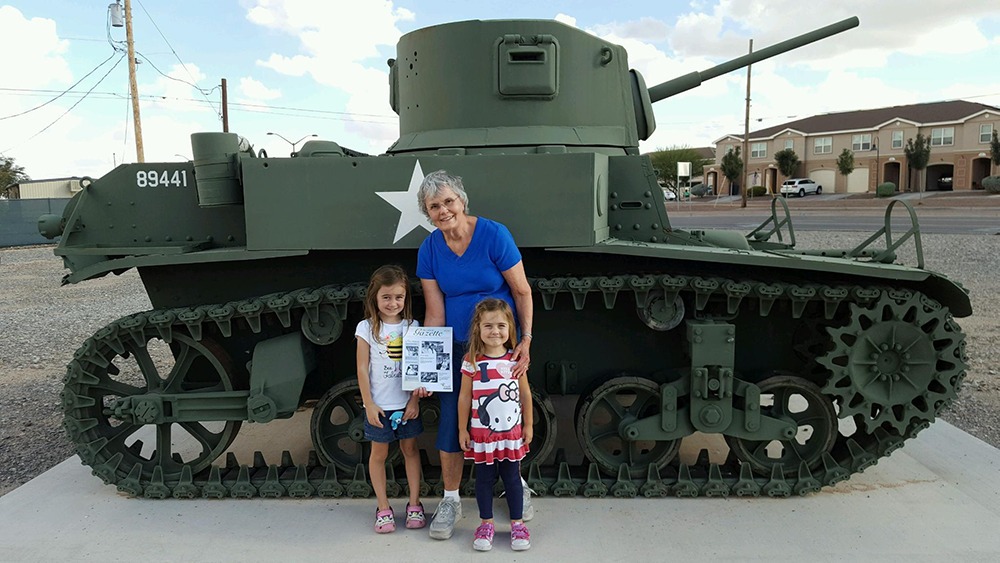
{"points": [[959, 132]]}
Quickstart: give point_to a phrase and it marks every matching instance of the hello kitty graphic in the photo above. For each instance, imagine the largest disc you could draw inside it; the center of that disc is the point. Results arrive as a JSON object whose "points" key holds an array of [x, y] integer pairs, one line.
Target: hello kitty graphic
{"points": [[500, 411]]}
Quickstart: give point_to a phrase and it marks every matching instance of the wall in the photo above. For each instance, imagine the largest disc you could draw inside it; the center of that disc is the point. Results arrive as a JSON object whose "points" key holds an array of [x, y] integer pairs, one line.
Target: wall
{"points": [[19, 220]]}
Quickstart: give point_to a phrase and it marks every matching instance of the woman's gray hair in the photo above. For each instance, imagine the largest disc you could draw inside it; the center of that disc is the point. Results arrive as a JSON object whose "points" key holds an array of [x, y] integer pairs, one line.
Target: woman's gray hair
{"points": [[433, 184]]}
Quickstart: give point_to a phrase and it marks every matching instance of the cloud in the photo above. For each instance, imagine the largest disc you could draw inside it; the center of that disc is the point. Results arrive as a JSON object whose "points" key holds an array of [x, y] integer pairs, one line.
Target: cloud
{"points": [[644, 29], [866, 67], [41, 65], [255, 90], [568, 20], [338, 53]]}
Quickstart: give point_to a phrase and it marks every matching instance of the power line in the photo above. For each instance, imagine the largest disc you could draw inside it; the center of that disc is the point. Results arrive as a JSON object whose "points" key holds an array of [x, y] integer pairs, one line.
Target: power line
{"points": [[56, 120], [163, 74], [252, 106], [61, 94], [172, 50]]}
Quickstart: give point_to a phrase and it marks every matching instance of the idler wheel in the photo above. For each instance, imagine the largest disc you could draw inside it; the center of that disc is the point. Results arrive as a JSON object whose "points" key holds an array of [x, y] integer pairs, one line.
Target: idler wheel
{"points": [[601, 416], [802, 401], [145, 365], [337, 429]]}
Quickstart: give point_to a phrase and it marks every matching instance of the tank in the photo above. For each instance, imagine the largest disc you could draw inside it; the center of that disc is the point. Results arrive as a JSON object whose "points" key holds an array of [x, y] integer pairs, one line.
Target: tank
{"points": [[804, 366]]}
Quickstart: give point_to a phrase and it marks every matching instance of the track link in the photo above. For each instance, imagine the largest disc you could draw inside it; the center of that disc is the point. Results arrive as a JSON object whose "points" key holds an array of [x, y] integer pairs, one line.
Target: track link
{"points": [[86, 424]]}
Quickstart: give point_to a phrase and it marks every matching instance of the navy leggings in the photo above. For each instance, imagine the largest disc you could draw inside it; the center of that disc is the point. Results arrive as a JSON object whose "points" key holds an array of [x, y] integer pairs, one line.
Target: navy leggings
{"points": [[486, 477]]}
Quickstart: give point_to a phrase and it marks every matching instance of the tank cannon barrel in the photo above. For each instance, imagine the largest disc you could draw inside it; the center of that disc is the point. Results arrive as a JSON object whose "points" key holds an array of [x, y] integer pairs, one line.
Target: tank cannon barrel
{"points": [[694, 79]]}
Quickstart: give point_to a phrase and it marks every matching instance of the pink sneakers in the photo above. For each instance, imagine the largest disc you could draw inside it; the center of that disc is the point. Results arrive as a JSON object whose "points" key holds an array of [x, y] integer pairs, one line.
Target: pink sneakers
{"points": [[484, 537], [520, 539]]}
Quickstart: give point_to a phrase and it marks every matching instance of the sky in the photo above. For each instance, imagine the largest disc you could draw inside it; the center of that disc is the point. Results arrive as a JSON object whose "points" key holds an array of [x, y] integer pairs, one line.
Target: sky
{"points": [[299, 67]]}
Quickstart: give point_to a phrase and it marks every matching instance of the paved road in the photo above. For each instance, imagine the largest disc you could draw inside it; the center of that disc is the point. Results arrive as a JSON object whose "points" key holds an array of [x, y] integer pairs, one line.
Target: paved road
{"points": [[966, 221]]}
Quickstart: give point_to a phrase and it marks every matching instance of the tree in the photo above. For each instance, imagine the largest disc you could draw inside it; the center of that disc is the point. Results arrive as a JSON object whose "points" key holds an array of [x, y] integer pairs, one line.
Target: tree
{"points": [[995, 149], [992, 183], [732, 166], [845, 163], [10, 174], [788, 162], [918, 154], [665, 161]]}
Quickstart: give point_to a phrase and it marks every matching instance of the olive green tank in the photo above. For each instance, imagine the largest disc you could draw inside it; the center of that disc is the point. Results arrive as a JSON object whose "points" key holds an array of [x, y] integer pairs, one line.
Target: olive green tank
{"points": [[811, 364]]}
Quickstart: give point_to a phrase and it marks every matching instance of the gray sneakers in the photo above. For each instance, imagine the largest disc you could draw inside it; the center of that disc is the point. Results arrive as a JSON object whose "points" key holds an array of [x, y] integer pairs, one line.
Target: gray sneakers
{"points": [[448, 512], [528, 512]]}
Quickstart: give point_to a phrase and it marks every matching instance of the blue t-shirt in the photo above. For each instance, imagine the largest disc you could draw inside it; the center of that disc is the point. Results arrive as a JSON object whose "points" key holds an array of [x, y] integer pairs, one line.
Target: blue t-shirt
{"points": [[468, 279]]}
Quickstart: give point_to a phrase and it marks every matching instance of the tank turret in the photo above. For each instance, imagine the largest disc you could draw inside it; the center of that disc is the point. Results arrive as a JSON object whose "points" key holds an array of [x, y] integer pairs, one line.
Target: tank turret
{"points": [[483, 85]]}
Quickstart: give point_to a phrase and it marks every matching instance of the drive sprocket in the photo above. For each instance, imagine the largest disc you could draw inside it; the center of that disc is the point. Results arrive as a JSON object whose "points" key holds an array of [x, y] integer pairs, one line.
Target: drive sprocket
{"points": [[897, 361]]}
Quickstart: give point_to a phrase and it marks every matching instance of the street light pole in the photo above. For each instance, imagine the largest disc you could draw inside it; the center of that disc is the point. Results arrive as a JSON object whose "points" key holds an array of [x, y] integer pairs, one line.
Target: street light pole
{"points": [[291, 143]]}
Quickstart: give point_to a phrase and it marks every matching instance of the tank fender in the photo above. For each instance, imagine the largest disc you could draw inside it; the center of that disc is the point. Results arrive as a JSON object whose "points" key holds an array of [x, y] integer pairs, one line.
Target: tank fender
{"points": [[949, 293], [277, 373], [724, 239]]}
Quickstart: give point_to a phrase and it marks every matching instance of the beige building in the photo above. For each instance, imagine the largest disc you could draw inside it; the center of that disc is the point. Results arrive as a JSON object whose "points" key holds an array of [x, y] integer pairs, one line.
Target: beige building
{"points": [[41, 189], [959, 133]]}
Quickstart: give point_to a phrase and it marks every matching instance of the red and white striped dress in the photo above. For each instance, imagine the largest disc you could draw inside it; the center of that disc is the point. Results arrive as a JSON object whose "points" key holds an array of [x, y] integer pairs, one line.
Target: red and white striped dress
{"points": [[496, 410]]}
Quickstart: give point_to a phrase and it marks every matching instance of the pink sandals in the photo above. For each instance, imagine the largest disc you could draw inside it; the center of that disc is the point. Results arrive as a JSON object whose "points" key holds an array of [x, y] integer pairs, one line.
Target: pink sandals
{"points": [[385, 521], [415, 518]]}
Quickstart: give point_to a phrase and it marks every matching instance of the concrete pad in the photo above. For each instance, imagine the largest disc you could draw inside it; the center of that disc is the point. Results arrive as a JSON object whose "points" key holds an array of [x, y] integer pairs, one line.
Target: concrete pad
{"points": [[938, 497]]}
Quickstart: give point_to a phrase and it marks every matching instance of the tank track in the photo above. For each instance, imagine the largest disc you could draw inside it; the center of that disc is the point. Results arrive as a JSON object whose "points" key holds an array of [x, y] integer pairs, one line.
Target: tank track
{"points": [[310, 478]]}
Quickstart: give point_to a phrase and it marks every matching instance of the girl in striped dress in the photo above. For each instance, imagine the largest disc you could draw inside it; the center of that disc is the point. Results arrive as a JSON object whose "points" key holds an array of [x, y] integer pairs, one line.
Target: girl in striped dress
{"points": [[499, 407]]}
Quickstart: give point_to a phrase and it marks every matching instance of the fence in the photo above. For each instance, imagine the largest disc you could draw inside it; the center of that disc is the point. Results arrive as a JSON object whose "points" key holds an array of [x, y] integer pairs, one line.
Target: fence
{"points": [[19, 220]]}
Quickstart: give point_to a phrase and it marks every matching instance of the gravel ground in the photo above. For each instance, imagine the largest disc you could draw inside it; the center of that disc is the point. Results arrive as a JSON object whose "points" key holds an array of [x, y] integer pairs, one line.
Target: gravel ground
{"points": [[42, 324]]}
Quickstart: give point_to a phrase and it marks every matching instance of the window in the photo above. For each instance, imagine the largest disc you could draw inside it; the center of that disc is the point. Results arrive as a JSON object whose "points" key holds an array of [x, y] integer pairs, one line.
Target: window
{"points": [[942, 136], [789, 143], [985, 132], [897, 139], [823, 145], [861, 142], [758, 150]]}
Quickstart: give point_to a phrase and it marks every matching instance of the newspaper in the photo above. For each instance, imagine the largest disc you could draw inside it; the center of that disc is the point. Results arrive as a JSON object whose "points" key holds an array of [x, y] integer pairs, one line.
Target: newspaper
{"points": [[427, 359]]}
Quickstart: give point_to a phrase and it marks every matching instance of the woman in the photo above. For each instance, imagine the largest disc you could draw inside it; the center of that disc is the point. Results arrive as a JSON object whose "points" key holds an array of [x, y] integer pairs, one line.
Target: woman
{"points": [[464, 261]]}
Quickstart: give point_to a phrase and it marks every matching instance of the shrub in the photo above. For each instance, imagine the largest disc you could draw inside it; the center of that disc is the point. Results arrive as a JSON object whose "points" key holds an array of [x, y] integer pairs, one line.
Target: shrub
{"points": [[700, 190], [757, 191], [885, 189], [992, 184]]}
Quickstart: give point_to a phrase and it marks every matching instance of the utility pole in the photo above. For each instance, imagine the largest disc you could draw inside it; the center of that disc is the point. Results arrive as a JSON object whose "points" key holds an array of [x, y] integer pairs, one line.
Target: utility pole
{"points": [[140, 157], [746, 138], [225, 108]]}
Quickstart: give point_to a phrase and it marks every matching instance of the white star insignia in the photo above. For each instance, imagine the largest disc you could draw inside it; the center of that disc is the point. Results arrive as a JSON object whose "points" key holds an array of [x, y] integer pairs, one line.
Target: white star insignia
{"points": [[410, 216]]}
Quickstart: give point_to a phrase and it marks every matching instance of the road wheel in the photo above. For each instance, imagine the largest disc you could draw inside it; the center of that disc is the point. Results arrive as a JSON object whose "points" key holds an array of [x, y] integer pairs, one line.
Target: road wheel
{"points": [[813, 413], [603, 412], [819, 190], [802, 192]]}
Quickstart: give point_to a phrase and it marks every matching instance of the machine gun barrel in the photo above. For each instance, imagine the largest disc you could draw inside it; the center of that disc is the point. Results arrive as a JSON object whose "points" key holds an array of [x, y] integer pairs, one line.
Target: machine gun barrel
{"points": [[694, 79]]}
